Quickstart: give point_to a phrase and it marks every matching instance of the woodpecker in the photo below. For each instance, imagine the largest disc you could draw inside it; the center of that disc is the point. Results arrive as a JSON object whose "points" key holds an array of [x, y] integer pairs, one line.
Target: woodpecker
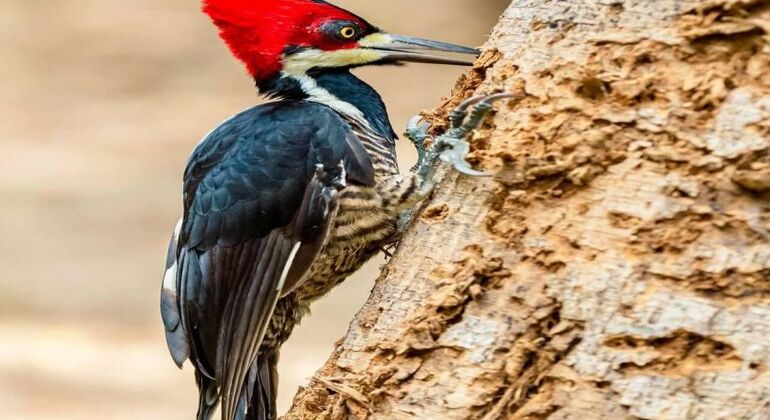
{"points": [[285, 200]]}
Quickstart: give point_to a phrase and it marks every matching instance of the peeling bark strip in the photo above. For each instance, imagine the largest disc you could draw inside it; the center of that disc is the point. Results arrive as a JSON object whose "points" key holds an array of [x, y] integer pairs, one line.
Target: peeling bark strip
{"points": [[618, 264]]}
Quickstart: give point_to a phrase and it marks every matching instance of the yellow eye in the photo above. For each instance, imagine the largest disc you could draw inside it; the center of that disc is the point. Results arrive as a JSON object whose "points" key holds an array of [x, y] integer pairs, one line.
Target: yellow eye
{"points": [[348, 32]]}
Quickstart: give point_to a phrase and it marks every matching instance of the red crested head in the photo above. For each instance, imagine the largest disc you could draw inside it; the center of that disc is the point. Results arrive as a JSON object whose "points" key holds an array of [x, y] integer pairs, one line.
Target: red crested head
{"points": [[259, 32], [292, 37]]}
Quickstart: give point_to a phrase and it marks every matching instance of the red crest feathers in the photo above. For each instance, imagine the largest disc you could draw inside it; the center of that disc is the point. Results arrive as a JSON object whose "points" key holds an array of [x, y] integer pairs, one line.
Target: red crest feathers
{"points": [[258, 31]]}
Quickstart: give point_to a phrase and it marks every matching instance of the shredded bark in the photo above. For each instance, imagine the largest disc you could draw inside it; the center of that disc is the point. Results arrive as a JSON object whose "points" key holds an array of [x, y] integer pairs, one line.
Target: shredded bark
{"points": [[617, 264]]}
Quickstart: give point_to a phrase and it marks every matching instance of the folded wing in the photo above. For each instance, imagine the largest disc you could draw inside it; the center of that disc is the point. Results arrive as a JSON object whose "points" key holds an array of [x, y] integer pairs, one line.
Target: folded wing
{"points": [[260, 193]]}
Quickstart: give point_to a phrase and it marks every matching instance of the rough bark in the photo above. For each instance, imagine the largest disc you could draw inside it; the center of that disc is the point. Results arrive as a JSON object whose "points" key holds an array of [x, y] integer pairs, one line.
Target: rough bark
{"points": [[618, 263]]}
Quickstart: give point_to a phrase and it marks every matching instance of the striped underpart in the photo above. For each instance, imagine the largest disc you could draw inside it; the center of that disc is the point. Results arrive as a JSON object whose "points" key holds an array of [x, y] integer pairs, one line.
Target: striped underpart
{"points": [[367, 217], [365, 223]]}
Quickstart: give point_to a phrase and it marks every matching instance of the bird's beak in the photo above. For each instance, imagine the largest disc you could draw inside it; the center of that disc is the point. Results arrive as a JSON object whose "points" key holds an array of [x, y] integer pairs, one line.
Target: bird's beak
{"points": [[399, 48]]}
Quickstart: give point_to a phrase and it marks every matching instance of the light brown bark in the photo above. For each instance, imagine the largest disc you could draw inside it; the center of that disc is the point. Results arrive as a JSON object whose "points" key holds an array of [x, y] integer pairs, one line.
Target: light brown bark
{"points": [[618, 263]]}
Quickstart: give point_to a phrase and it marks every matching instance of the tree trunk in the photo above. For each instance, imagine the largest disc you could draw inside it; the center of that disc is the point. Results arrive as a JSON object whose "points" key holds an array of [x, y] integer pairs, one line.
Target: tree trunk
{"points": [[618, 263]]}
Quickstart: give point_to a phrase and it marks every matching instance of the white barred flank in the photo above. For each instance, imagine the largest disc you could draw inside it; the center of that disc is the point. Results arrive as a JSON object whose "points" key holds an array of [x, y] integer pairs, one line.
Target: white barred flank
{"points": [[381, 151], [365, 222]]}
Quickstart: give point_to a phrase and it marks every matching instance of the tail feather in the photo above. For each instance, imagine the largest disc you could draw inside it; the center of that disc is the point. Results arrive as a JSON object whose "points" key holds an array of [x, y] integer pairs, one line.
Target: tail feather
{"points": [[257, 401], [258, 396], [208, 398]]}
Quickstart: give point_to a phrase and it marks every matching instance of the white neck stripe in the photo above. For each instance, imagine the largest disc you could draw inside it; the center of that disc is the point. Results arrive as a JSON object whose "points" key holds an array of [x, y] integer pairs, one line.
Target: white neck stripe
{"points": [[318, 94]]}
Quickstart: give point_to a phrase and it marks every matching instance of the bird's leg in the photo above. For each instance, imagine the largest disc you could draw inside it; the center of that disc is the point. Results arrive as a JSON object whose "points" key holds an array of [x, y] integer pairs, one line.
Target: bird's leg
{"points": [[450, 147], [417, 133]]}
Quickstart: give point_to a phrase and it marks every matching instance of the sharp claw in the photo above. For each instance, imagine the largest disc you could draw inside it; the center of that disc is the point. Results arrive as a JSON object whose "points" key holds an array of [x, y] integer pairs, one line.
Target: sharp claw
{"points": [[457, 116], [413, 123], [455, 155], [466, 169], [417, 126], [470, 102], [417, 132], [488, 100], [451, 147]]}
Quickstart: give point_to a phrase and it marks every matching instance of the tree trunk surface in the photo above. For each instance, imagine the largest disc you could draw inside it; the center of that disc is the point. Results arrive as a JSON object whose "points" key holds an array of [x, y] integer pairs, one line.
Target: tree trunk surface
{"points": [[617, 264]]}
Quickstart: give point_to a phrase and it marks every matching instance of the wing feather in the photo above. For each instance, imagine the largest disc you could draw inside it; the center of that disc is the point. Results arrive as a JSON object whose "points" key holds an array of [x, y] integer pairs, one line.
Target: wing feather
{"points": [[260, 194], [169, 306]]}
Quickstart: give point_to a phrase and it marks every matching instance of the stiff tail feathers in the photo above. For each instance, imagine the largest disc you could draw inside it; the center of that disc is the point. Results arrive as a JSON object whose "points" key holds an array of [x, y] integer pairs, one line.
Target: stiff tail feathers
{"points": [[257, 401], [208, 399], [258, 396]]}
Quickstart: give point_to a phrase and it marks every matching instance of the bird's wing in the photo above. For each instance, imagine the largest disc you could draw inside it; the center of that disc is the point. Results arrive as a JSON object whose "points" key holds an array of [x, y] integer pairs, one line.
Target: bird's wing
{"points": [[259, 197], [169, 304]]}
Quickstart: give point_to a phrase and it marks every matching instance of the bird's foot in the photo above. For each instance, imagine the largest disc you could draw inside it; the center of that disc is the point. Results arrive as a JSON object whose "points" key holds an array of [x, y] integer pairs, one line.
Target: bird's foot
{"points": [[452, 146], [417, 133]]}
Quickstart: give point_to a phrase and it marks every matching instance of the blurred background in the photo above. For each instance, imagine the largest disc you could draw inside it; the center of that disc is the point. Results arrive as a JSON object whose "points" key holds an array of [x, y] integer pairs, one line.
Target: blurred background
{"points": [[101, 103]]}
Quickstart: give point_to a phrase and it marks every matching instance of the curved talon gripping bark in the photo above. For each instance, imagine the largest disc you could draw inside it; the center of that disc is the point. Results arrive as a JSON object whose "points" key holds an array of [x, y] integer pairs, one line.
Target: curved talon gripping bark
{"points": [[417, 133], [455, 152], [263, 234], [451, 147]]}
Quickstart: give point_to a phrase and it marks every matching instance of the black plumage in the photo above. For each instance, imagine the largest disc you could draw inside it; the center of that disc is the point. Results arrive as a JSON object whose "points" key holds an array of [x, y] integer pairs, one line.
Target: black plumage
{"points": [[286, 200], [258, 164], [260, 193]]}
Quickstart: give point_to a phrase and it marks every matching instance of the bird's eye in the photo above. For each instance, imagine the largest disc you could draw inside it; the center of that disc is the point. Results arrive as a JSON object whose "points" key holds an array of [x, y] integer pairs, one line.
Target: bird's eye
{"points": [[348, 32], [342, 31]]}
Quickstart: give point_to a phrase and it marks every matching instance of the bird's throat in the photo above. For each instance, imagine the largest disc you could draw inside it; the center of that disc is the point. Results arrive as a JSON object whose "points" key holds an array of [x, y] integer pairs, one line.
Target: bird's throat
{"points": [[340, 90]]}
